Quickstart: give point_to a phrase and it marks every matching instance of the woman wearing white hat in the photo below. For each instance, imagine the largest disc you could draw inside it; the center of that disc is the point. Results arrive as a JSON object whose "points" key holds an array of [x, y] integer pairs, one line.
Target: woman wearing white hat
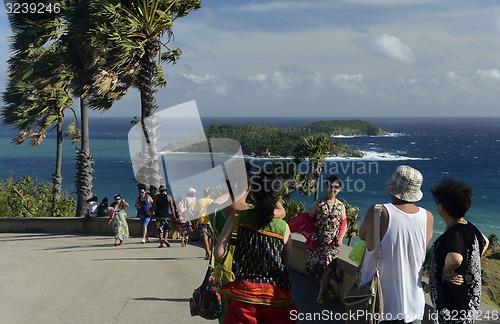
{"points": [[405, 231]]}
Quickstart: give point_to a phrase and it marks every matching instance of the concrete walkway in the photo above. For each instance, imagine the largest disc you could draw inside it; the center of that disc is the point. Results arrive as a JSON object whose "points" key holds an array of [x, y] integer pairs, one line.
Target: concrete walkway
{"points": [[47, 278]]}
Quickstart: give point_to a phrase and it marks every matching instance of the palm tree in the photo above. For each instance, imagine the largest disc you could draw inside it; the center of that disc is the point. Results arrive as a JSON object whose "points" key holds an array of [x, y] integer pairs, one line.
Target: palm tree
{"points": [[38, 88], [128, 49], [312, 149]]}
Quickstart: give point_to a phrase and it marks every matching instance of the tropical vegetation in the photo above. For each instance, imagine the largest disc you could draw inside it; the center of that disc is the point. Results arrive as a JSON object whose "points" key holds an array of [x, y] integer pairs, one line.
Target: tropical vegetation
{"points": [[26, 197], [346, 128], [312, 150], [270, 141]]}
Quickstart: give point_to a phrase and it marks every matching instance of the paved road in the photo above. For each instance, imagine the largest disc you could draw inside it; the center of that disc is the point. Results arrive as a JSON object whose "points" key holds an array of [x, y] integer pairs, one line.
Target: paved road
{"points": [[46, 278]]}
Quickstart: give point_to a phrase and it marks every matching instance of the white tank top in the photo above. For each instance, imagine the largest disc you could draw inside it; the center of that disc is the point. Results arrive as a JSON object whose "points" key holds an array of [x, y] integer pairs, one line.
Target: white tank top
{"points": [[403, 254]]}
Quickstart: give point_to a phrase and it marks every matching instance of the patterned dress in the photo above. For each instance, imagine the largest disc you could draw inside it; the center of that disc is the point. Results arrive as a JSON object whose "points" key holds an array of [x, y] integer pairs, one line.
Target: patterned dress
{"points": [[328, 222], [457, 304], [120, 225]]}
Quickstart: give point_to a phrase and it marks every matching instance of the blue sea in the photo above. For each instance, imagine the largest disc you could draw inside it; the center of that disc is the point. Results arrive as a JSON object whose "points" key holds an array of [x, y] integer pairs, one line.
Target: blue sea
{"points": [[466, 149]]}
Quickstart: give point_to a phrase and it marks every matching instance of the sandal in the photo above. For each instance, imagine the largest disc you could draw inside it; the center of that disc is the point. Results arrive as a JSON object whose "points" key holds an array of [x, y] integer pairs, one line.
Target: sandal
{"points": [[321, 300], [331, 292]]}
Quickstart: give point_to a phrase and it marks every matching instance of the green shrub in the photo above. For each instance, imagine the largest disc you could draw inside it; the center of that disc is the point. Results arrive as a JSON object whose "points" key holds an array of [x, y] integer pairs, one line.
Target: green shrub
{"points": [[25, 197]]}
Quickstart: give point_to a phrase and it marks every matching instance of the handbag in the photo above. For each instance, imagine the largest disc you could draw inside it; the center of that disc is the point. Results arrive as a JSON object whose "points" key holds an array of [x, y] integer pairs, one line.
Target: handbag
{"points": [[223, 271], [366, 301], [206, 301], [304, 224]]}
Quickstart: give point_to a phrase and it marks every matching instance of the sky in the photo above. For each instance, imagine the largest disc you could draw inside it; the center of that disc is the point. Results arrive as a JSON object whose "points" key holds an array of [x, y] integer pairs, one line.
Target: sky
{"points": [[329, 58]]}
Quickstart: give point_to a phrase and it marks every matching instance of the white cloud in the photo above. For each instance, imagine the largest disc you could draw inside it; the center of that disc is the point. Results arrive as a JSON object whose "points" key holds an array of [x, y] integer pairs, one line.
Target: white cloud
{"points": [[321, 5], [281, 81], [349, 82], [199, 79], [282, 6], [388, 46], [488, 79], [459, 82], [211, 82], [492, 75], [260, 78]]}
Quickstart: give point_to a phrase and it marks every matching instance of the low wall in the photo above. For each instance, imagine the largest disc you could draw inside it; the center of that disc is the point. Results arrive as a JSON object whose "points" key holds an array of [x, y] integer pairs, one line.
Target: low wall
{"points": [[76, 225]]}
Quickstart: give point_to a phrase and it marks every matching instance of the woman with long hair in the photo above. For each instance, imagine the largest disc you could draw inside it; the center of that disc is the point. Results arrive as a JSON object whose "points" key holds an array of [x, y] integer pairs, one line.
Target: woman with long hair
{"points": [[261, 291]]}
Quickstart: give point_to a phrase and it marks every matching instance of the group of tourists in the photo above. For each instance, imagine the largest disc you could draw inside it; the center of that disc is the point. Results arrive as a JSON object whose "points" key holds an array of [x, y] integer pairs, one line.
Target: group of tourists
{"points": [[261, 289], [260, 243]]}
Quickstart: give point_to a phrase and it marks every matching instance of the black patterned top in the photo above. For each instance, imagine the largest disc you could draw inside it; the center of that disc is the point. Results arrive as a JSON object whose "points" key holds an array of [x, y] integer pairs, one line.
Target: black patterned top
{"points": [[258, 263], [259, 252], [457, 304]]}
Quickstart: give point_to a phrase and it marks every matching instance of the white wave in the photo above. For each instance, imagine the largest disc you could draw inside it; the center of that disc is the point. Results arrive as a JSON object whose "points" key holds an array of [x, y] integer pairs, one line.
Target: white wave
{"points": [[377, 156], [385, 135]]}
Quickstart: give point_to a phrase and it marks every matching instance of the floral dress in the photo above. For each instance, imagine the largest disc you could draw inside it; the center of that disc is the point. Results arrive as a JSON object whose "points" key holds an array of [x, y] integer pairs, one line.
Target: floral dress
{"points": [[120, 224], [327, 220]]}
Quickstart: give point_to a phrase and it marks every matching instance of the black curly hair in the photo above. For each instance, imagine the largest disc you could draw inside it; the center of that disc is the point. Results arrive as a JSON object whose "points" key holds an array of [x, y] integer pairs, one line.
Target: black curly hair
{"points": [[266, 188], [454, 196]]}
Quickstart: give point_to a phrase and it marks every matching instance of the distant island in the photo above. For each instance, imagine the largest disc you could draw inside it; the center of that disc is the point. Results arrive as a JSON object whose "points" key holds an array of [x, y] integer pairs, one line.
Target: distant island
{"points": [[270, 141]]}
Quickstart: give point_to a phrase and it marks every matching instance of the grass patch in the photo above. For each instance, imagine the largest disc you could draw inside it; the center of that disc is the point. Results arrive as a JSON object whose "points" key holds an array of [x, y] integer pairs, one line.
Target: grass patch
{"points": [[490, 264]]}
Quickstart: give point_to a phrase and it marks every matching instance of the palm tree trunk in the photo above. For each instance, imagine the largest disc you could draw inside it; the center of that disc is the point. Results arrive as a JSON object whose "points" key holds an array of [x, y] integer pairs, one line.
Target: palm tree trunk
{"points": [[84, 163], [57, 177], [147, 87], [316, 191]]}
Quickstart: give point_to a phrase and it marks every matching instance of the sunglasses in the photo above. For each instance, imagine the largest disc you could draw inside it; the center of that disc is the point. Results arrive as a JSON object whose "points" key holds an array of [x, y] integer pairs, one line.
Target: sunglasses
{"points": [[336, 187]]}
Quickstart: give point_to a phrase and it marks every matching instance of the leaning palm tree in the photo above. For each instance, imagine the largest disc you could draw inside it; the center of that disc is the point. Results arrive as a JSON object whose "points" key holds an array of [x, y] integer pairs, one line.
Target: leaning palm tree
{"points": [[127, 52], [38, 88]]}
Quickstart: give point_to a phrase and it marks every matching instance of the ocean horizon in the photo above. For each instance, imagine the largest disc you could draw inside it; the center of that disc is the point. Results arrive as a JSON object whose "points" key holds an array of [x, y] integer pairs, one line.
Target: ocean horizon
{"points": [[466, 149]]}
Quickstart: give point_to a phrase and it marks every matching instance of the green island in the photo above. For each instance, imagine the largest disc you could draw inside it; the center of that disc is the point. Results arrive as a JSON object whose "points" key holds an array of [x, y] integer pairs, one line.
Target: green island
{"points": [[270, 141]]}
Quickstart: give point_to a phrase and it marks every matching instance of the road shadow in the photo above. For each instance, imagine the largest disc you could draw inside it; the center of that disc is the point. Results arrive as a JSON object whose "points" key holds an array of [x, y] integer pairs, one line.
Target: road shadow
{"points": [[176, 300]]}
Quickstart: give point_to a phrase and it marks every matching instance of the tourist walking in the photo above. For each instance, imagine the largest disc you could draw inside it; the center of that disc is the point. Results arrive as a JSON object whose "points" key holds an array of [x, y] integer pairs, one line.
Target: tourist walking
{"points": [[143, 204], [328, 215], [205, 231], [405, 231], [261, 292], [184, 226], [189, 203], [163, 210], [455, 268], [118, 219]]}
